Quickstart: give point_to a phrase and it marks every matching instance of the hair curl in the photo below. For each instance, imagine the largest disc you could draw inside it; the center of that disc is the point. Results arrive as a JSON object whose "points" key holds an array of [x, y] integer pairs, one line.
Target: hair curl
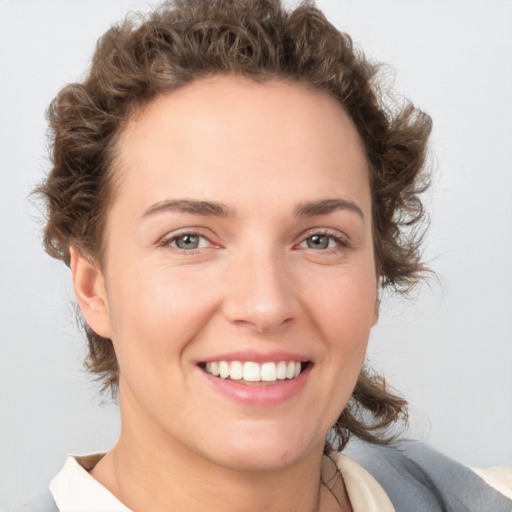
{"points": [[184, 40]]}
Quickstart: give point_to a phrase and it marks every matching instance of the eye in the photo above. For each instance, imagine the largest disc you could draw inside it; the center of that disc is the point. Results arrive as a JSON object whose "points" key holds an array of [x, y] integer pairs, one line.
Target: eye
{"points": [[319, 242], [323, 241], [188, 241]]}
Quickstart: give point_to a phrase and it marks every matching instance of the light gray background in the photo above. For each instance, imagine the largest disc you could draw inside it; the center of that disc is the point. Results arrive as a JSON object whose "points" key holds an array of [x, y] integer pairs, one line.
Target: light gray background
{"points": [[449, 350]]}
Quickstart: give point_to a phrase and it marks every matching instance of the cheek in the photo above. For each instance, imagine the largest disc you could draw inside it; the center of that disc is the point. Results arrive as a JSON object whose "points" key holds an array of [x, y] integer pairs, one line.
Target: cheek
{"points": [[344, 315], [155, 314], [345, 303]]}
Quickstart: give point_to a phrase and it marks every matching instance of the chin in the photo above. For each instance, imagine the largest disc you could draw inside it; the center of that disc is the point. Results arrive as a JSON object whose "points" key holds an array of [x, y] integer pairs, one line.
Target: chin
{"points": [[257, 461], [264, 450]]}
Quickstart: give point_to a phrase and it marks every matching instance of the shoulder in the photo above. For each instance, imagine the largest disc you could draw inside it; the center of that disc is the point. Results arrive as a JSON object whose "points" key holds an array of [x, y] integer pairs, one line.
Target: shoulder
{"points": [[412, 472]]}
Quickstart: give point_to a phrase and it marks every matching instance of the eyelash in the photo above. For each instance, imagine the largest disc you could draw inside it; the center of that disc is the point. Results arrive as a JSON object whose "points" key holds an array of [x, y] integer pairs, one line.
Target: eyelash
{"points": [[341, 242]]}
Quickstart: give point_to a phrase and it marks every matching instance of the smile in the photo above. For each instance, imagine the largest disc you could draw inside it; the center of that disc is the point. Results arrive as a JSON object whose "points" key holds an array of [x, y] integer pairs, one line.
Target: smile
{"points": [[250, 371], [261, 384]]}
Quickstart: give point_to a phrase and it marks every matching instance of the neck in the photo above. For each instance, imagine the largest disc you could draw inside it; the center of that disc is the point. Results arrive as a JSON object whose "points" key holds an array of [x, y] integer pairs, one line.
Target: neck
{"points": [[150, 470], [151, 478]]}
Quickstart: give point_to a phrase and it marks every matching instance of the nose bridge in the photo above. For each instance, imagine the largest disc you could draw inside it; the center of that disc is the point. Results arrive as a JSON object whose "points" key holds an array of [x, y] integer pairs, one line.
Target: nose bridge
{"points": [[260, 294]]}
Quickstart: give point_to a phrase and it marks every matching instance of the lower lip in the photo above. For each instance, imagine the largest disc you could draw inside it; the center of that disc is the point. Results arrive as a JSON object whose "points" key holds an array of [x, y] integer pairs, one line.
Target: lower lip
{"points": [[265, 394]]}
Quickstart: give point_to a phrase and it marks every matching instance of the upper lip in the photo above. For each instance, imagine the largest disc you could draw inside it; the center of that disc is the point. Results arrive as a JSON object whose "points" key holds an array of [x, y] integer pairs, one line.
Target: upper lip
{"points": [[257, 357]]}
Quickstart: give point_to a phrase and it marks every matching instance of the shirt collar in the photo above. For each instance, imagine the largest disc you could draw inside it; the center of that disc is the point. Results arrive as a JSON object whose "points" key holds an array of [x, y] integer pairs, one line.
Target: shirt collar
{"points": [[75, 490]]}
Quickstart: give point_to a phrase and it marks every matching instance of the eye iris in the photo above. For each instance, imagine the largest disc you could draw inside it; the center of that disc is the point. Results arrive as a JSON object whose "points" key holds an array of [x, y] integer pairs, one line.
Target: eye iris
{"points": [[187, 242], [318, 242]]}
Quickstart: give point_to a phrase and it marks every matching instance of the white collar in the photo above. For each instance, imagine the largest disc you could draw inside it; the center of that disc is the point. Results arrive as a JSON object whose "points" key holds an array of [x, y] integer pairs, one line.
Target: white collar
{"points": [[75, 490], [364, 492]]}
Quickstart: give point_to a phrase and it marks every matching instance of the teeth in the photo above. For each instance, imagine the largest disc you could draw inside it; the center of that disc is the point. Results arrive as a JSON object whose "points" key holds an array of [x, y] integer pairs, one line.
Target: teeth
{"points": [[215, 369], [290, 370], [254, 372], [224, 370], [236, 371], [281, 370], [268, 372]]}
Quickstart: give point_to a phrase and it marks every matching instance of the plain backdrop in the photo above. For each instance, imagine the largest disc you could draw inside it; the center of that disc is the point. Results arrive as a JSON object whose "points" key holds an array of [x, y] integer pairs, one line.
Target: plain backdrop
{"points": [[448, 350]]}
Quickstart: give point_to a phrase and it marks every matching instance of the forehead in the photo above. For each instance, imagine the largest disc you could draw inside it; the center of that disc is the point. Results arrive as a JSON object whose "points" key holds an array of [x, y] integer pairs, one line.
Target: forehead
{"points": [[229, 134]]}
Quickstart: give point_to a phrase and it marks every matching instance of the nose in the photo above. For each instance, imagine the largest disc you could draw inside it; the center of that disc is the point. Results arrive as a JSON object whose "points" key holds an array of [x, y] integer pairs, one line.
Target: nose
{"points": [[260, 294]]}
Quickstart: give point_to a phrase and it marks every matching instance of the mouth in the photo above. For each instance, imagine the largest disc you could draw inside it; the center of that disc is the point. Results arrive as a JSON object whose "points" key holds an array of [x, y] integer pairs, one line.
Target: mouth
{"points": [[251, 372]]}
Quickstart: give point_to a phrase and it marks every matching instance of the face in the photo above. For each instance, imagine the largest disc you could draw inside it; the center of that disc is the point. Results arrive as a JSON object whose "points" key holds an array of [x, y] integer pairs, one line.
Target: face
{"points": [[239, 242]]}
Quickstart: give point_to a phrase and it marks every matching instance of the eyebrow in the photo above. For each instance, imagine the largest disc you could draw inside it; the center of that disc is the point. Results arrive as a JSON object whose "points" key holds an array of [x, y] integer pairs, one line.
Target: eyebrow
{"points": [[213, 208], [189, 206], [326, 206]]}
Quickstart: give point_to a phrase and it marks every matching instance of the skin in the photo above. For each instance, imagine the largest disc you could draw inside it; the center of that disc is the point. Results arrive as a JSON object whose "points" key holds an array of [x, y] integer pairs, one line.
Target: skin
{"points": [[256, 283]]}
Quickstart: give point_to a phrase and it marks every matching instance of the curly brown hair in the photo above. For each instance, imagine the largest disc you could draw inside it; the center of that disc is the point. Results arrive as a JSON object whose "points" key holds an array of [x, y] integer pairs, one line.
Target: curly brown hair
{"points": [[184, 40]]}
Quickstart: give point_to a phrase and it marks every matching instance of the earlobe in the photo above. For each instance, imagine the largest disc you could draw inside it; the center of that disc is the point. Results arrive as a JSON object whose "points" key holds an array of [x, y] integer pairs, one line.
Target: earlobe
{"points": [[89, 286]]}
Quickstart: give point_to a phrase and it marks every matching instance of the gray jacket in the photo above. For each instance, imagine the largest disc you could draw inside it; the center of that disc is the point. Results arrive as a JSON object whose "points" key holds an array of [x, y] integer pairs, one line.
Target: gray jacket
{"points": [[419, 479]]}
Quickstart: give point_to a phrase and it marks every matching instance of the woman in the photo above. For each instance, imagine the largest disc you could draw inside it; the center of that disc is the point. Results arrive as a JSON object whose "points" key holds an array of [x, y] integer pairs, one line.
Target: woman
{"points": [[232, 196]]}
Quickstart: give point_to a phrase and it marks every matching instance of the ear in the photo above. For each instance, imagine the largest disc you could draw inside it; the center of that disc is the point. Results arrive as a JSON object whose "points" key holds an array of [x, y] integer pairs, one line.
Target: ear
{"points": [[89, 286], [376, 311]]}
